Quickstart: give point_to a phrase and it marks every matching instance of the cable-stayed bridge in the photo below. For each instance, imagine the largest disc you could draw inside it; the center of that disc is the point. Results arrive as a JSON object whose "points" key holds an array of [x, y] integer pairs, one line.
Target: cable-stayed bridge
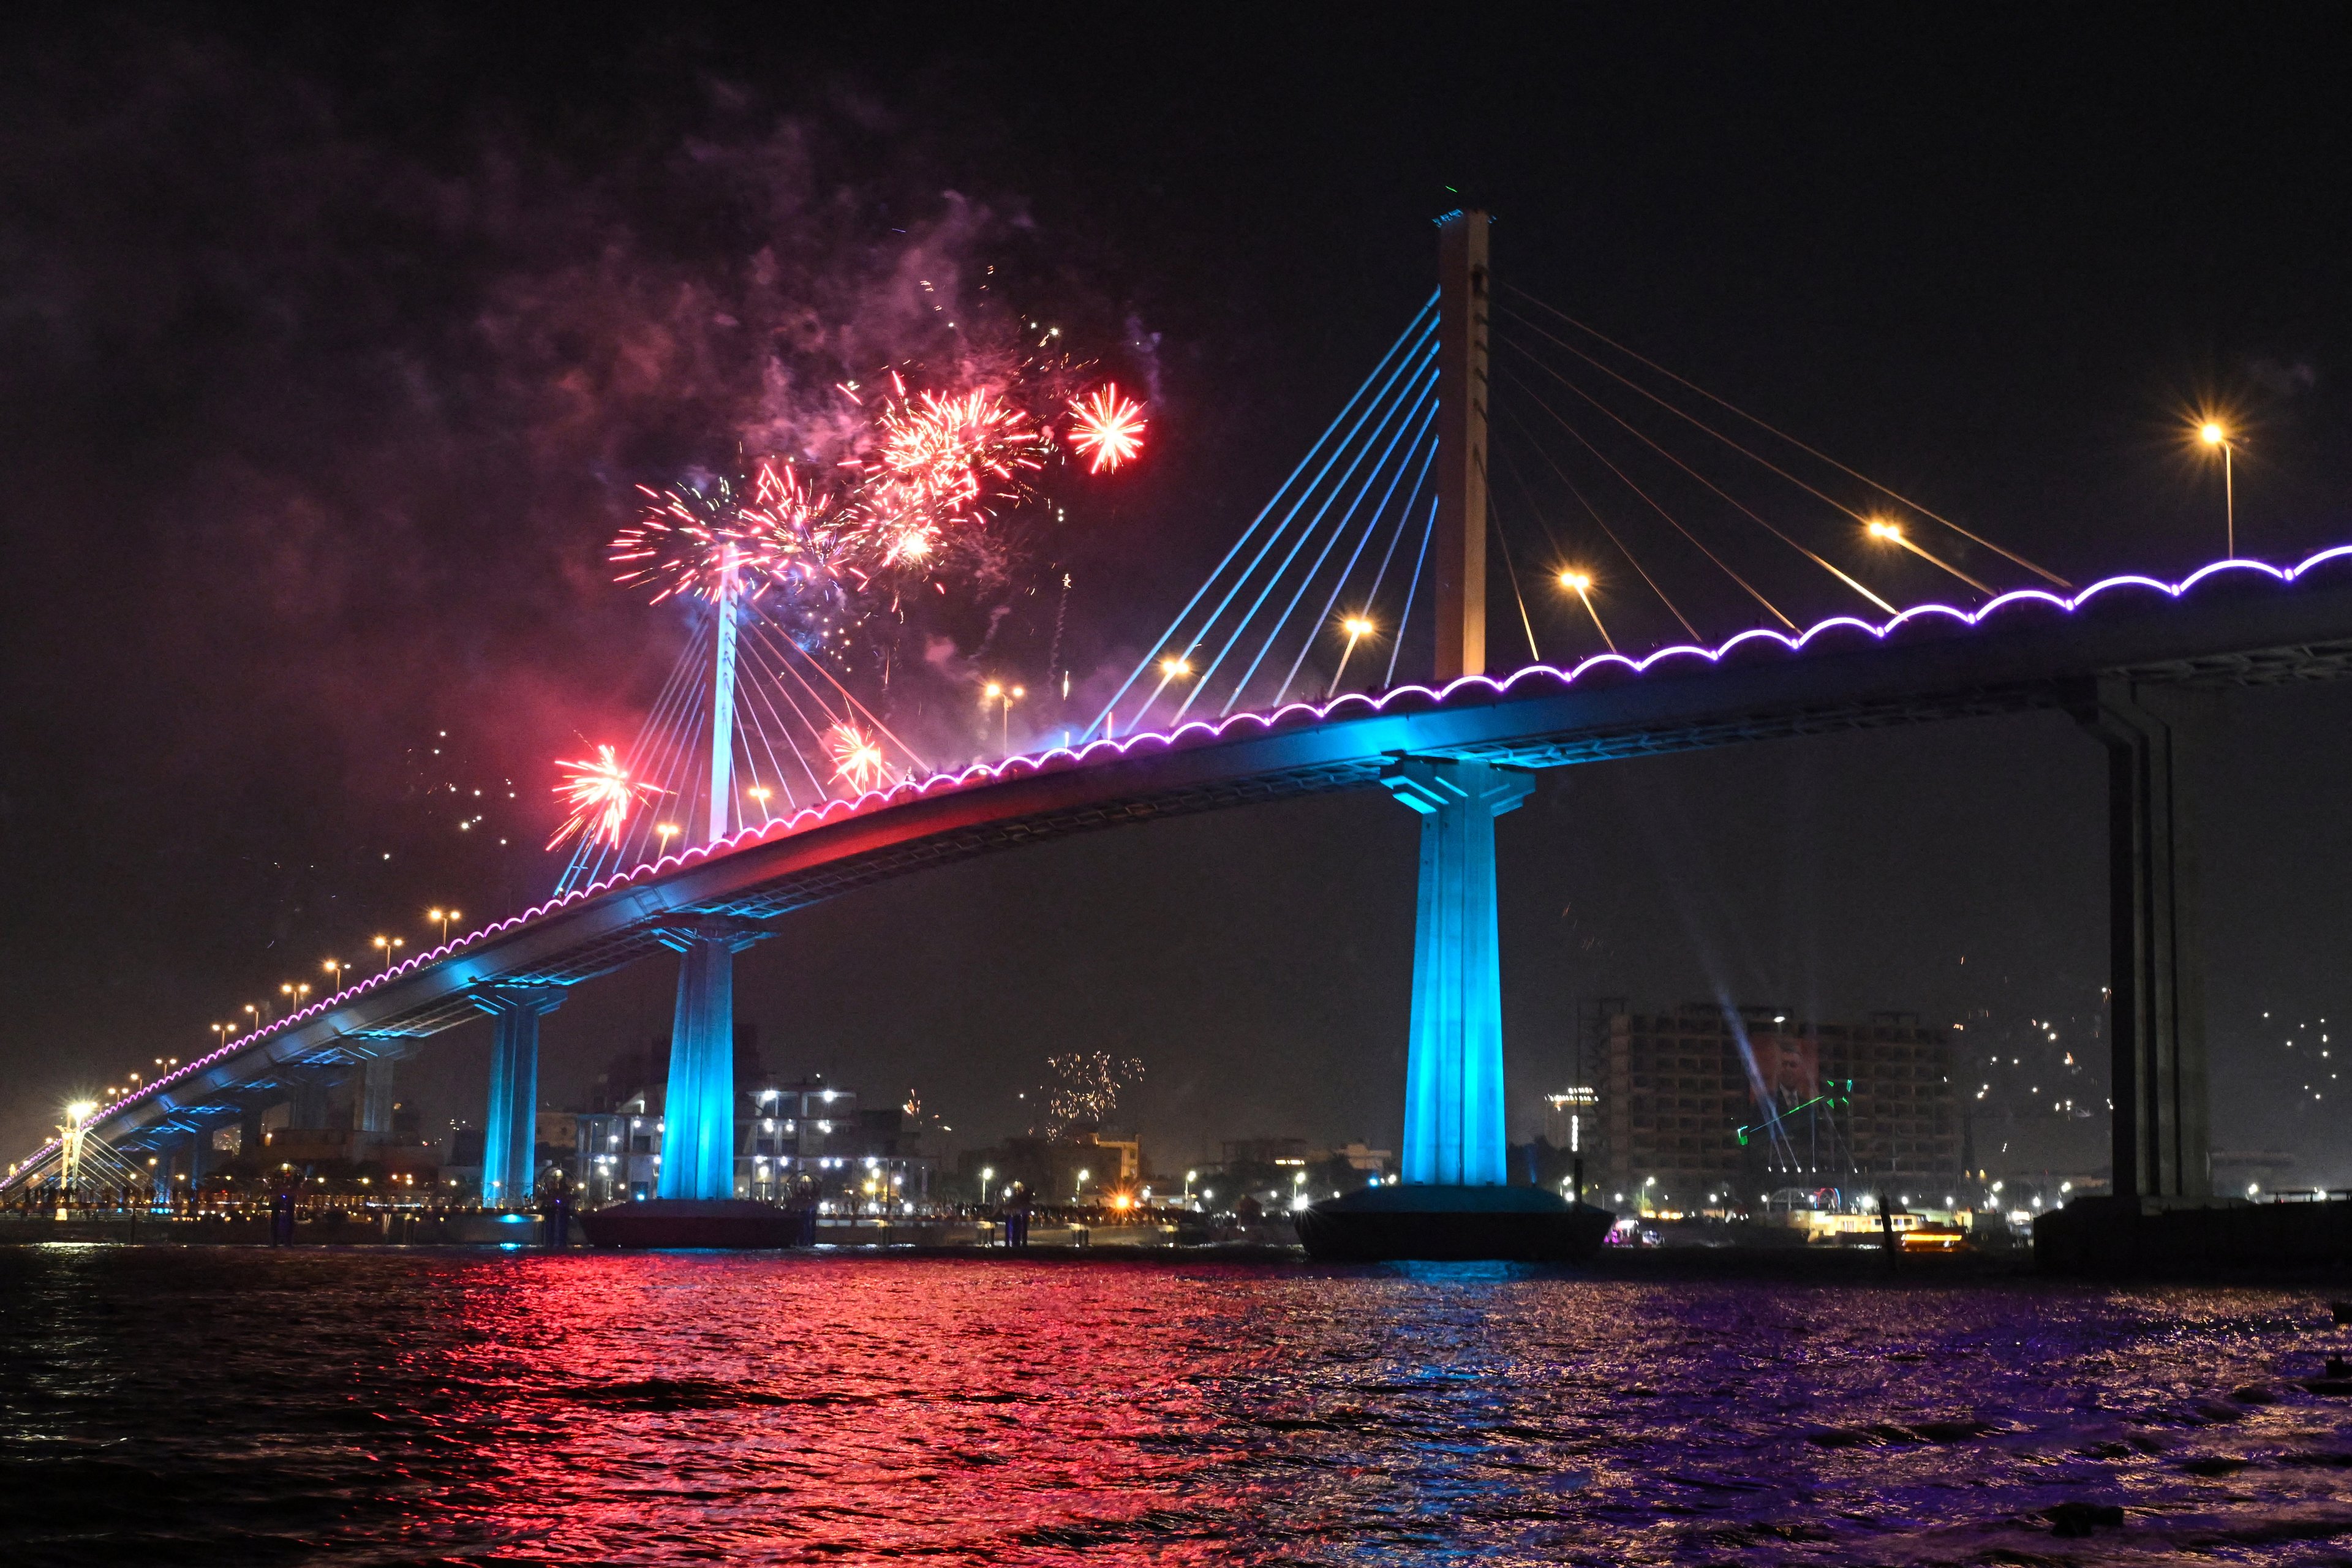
{"points": [[1385, 527]]}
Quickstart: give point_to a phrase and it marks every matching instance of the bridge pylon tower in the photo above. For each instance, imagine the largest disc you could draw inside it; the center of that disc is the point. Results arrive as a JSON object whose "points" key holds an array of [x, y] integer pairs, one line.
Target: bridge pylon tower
{"points": [[1456, 1133], [1454, 1199], [1459, 545], [722, 711]]}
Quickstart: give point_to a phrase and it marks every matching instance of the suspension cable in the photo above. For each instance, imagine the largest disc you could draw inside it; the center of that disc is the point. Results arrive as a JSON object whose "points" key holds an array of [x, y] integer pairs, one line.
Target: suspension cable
{"points": [[767, 696], [1602, 523], [1396, 648], [1404, 525], [1730, 500], [1671, 520], [851, 699], [1510, 569], [2044, 572], [759, 694], [1340, 584], [1413, 330], [1429, 390], [1202, 684]]}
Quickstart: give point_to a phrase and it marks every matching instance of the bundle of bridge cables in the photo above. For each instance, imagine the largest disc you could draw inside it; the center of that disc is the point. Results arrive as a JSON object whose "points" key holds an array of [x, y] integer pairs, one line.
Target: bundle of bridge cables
{"points": [[1628, 509]]}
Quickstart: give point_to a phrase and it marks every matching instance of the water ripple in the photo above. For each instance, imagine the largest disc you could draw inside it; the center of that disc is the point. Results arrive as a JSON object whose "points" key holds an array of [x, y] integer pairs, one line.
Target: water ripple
{"points": [[254, 1407]]}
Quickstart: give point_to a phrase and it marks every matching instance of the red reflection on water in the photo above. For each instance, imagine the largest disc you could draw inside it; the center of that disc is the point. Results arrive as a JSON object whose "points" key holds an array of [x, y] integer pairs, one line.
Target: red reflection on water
{"points": [[651, 1405], [244, 1406]]}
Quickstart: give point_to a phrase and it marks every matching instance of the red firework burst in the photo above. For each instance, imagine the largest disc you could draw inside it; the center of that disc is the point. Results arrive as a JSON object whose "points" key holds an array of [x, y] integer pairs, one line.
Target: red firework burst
{"points": [[1106, 427], [944, 462]]}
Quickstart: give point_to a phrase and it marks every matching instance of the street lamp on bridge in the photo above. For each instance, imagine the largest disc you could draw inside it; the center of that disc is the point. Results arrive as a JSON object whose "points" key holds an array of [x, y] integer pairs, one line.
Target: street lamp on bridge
{"points": [[2215, 434], [1358, 629], [443, 917], [1004, 697], [1580, 585], [389, 946], [334, 966], [1892, 533]]}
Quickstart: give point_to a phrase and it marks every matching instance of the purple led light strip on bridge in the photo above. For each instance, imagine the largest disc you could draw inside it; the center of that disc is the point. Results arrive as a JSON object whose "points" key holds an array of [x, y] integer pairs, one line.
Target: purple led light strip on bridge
{"points": [[811, 817]]}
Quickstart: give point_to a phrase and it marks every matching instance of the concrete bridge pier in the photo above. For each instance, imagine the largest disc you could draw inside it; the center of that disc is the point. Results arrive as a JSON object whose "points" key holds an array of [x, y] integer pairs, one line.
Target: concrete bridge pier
{"points": [[375, 1096], [698, 1109], [248, 1128], [1454, 1131], [310, 1085], [510, 1122], [2163, 1147]]}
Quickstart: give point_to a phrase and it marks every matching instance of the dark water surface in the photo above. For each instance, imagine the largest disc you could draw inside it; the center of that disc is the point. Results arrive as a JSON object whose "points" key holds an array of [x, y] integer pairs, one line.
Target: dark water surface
{"points": [[236, 1406]]}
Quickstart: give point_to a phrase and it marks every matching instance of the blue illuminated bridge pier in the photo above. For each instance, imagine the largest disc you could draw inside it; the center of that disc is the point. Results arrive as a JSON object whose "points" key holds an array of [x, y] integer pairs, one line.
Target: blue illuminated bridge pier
{"points": [[2138, 662]]}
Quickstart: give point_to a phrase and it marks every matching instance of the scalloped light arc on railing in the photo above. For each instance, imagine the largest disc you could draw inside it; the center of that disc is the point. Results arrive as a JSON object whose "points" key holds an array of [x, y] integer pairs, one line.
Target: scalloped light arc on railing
{"points": [[1347, 706]]}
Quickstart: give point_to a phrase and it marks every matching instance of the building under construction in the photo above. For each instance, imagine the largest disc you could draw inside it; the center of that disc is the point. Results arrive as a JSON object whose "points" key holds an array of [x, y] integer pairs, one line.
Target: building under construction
{"points": [[1692, 1107]]}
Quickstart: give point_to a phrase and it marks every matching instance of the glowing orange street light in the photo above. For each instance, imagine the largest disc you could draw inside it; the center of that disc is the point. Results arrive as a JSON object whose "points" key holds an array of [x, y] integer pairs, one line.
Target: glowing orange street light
{"points": [[443, 917], [2213, 433], [1004, 697], [389, 946], [1880, 528], [1580, 585], [334, 966], [761, 794], [1173, 667], [669, 830], [1358, 629]]}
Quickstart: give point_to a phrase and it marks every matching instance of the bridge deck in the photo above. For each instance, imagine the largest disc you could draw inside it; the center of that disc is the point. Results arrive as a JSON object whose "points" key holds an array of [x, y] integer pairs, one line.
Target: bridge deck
{"points": [[2238, 624]]}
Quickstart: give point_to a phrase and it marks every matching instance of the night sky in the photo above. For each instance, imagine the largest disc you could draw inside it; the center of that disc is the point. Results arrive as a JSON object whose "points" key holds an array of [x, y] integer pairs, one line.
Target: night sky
{"points": [[332, 346]]}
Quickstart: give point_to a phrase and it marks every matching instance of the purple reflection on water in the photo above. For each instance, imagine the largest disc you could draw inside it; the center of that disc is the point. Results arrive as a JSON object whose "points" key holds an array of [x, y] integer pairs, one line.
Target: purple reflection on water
{"points": [[254, 1407]]}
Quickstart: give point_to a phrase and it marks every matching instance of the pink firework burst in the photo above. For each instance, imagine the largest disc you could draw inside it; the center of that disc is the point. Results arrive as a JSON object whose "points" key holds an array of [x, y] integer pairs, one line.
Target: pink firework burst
{"points": [[944, 462], [712, 543], [1106, 427], [601, 795]]}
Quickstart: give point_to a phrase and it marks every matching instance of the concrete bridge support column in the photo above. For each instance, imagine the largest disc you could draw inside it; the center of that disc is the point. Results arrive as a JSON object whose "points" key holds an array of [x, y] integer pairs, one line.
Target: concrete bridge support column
{"points": [[310, 1085], [1454, 1133], [375, 1096], [200, 1144], [698, 1110], [511, 1120], [248, 1130], [2156, 1008]]}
